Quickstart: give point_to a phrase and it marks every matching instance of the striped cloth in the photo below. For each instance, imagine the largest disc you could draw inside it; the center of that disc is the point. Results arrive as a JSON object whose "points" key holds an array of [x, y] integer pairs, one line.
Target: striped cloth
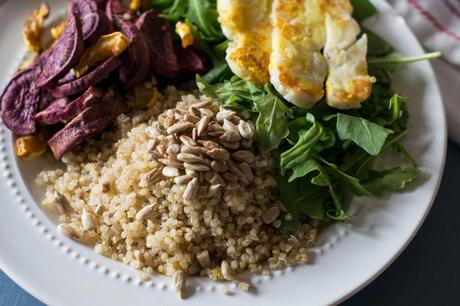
{"points": [[436, 23]]}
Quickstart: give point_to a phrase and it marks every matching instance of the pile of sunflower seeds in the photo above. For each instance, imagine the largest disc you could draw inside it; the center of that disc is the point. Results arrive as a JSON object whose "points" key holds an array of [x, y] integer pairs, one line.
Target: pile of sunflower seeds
{"points": [[204, 148]]}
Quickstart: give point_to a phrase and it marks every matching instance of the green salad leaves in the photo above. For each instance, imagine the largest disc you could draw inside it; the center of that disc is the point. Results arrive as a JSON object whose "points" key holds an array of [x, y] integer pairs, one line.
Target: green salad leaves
{"points": [[324, 155]]}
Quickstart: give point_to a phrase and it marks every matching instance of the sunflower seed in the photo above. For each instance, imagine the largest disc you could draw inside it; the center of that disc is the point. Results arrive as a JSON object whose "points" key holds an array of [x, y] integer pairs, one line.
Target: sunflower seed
{"points": [[219, 166], [196, 167], [188, 140], [152, 132], [200, 104], [209, 144], [191, 173], [191, 158], [195, 133], [227, 271], [243, 156], [170, 140], [151, 144], [191, 150], [170, 172], [68, 231], [171, 162], [180, 283], [218, 154], [231, 145], [178, 115], [236, 171], [206, 112], [246, 169], [245, 130], [182, 180], [169, 121], [194, 111], [261, 164], [217, 179], [99, 209], [152, 176], [87, 220], [225, 114], [229, 126], [202, 192], [214, 127], [179, 127], [271, 215], [213, 190], [191, 118], [247, 143], [173, 149], [232, 187], [215, 134], [161, 149], [191, 189], [230, 136], [203, 259], [141, 214], [208, 175], [202, 125], [230, 177], [62, 203]]}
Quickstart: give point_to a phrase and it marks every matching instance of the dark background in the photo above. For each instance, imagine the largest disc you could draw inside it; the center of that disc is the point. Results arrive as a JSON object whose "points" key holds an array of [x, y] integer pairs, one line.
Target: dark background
{"points": [[427, 272]]}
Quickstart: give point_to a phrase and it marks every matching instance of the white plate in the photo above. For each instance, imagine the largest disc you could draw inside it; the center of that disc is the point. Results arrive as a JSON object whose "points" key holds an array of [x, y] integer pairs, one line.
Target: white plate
{"points": [[59, 271]]}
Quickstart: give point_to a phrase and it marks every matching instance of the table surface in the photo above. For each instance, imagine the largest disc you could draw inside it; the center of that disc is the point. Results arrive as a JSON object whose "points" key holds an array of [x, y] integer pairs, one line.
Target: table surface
{"points": [[426, 273]]}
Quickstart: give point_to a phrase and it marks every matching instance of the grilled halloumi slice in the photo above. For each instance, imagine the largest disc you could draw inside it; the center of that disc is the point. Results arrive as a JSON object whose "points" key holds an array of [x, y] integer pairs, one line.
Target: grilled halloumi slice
{"points": [[297, 67], [348, 83], [282, 42], [247, 24]]}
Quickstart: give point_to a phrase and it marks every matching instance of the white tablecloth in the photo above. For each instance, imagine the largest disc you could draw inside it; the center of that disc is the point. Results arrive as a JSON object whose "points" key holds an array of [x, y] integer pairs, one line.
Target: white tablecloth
{"points": [[436, 23]]}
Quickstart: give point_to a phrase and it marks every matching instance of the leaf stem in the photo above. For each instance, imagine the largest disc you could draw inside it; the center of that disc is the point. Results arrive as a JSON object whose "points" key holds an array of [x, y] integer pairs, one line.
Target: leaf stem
{"points": [[403, 59]]}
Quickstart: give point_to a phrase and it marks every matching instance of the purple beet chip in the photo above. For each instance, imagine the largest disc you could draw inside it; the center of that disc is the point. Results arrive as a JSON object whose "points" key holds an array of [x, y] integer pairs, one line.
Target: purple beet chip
{"points": [[157, 33], [101, 4], [20, 102], [136, 61], [77, 86], [189, 60], [115, 8], [93, 119], [93, 22], [64, 55], [61, 110]]}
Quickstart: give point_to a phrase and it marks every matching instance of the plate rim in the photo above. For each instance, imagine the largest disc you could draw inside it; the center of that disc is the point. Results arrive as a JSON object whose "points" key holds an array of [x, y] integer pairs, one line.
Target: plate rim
{"points": [[42, 297]]}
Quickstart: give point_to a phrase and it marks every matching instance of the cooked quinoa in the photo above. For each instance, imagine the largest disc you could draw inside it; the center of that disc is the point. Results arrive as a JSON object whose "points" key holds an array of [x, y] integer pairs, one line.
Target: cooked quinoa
{"points": [[102, 190]]}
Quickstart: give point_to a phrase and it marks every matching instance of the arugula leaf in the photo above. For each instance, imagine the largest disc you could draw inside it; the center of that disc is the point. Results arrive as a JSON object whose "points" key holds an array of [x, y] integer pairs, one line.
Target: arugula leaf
{"points": [[392, 179], [336, 213], [173, 10], [297, 155], [307, 167], [352, 182], [294, 127], [161, 4], [394, 60], [301, 197], [366, 134], [362, 9], [396, 107], [205, 88], [235, 93], [203, 14], [272, 123]]}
